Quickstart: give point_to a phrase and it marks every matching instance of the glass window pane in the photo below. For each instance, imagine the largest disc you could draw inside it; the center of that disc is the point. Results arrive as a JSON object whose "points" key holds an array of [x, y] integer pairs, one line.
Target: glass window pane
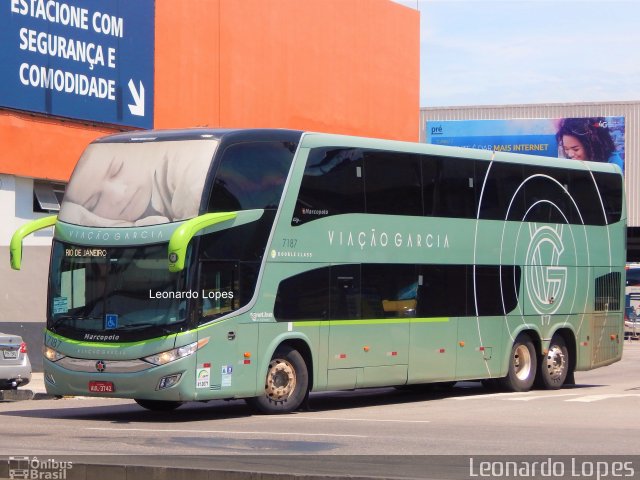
{"points": [[455, 188], [333, 184], [219, 288], [389, 291], [393, 183], [304, 296], [250, 176], [610, 187]]}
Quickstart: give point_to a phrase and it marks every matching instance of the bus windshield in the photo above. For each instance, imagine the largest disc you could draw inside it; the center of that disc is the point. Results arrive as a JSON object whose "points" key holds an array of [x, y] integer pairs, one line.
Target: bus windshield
{"points": [[126, 293], [137, 184]]}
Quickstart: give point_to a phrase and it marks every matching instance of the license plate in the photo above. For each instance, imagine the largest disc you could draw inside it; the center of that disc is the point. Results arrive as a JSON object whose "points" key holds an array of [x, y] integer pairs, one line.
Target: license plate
{"points": [[101, 387], [10, 354]]}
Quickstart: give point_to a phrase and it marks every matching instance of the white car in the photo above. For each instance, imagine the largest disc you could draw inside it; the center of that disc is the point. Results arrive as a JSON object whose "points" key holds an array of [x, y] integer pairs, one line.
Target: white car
{"points": [[631, 323], [15, 367]]}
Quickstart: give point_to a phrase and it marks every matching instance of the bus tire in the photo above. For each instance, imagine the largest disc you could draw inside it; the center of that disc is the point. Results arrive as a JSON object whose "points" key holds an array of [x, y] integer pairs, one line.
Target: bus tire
{"points": [[554, 366], [522, 365], [158, 405], [286, 383]]}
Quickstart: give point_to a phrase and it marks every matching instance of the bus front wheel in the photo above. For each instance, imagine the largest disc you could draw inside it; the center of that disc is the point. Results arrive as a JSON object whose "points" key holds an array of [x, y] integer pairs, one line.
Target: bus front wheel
{"points": [[158, 405], [554, 366], [522, 365], [285, 385]]}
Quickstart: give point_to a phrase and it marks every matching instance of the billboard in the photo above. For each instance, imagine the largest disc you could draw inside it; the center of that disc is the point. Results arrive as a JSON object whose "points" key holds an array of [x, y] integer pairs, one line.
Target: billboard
{"points": [[599, 139], [89, 60]]}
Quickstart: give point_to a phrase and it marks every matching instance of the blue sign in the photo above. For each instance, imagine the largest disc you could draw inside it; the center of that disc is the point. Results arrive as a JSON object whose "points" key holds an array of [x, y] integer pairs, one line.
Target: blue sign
{"points": [[110, 321], [84, 59], [596, 139]]}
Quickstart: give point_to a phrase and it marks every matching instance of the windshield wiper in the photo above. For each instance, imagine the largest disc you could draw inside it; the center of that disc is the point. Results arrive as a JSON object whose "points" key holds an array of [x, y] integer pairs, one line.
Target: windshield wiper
{"points": [[58, 321], [139, 326]]}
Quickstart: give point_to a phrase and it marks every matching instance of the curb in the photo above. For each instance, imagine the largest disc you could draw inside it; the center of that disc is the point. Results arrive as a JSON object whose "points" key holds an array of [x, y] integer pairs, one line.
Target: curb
{"points": [[16, 395]]}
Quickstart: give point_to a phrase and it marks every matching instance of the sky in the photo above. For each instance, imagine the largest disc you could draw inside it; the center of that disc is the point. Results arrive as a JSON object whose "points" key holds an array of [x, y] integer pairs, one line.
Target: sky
{"points": [[503, 52]]}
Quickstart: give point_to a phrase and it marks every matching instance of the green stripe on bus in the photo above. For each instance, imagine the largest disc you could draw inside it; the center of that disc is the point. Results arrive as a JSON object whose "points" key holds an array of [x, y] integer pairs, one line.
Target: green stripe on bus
{"points": [[381, 321]]}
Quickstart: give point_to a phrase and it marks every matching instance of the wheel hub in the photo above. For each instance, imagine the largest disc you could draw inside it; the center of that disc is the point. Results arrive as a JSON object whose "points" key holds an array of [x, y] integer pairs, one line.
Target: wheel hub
{"points": [[556, 362], [522, 362], [281, 380]]}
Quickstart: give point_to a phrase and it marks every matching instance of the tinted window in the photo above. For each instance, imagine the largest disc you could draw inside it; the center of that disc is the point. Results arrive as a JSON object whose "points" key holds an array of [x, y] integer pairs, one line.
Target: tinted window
{"points": [[220, 288], [430, 175], [389, 291], [333, 184], [345, 293], [455, 195], [250, 175], [392, 183], [610, 187], [496, 289], [349, 180], [546, 197], [371, 291], [304, 296], [245, 242], [583, 190], [501, 197], [245, 246], [443, 291]]}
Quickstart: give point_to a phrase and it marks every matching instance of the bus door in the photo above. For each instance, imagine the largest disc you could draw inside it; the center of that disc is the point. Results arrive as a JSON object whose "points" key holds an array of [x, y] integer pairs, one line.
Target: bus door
{"points": [[368, 346]]}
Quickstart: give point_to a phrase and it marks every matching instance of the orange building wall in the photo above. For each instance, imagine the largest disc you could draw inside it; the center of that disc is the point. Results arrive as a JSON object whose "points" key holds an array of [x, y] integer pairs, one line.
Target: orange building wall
{"points": [[340, 66]]}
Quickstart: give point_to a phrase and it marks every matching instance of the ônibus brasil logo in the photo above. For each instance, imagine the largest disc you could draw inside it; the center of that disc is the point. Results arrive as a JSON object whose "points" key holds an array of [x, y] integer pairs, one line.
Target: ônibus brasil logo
{"points": [[546, 281]]}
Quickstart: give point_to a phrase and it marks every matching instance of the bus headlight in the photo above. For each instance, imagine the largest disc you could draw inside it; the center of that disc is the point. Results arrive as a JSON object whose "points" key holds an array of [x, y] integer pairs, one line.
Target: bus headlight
{"points": [[51, 354], [177, 353]]}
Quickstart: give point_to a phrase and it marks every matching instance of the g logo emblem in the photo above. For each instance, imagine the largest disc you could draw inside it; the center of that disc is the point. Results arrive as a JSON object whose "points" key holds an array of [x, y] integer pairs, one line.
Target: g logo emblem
{"points": [[101, 366], [546, 280]]}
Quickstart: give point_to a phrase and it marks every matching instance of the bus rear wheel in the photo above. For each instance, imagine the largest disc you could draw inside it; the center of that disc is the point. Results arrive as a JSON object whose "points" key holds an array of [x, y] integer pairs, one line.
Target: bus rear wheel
{"points": [[522, 365], [285, 385], [158, 405], [554, 366]]}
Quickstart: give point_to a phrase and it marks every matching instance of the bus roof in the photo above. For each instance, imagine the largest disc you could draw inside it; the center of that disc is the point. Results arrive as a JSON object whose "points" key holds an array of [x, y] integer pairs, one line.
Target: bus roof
{"points": [[313, 140], [256, 134]]}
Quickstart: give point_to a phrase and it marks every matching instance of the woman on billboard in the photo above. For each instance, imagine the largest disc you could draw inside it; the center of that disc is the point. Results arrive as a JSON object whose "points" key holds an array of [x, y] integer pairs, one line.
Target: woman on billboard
{"points": [[587, 139]]}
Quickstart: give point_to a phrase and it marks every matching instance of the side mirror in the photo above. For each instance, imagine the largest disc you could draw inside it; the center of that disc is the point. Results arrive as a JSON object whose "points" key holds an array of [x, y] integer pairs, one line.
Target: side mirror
{"points": [[15, 247]]}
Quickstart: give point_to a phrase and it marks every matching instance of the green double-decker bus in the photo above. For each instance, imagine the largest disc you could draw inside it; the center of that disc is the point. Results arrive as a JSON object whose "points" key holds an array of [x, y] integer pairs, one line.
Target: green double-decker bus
{"points": [[192, 265]]}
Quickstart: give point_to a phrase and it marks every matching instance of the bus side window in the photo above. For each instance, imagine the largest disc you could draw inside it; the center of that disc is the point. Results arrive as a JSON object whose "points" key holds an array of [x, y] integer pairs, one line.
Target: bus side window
{"points": [[218, 294], [610, 188], [345, 293], [250, 175], [303, 297], [389, 291], [455, 188], [501, 199], [392, 183], [332, 184]]}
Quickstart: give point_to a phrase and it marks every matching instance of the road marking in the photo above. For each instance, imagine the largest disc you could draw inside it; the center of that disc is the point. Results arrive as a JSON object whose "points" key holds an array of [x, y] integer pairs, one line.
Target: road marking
{"points": [[491, 395], [223, 432], [604, 396], [538, 397], [300, 417]]}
